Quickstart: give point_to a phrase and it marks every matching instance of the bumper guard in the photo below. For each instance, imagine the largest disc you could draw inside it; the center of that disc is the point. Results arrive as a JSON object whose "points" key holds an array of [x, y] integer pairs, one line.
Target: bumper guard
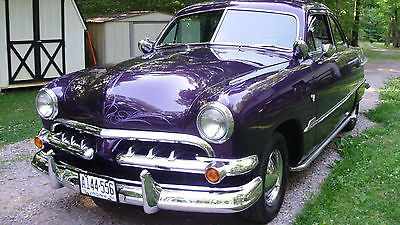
{"points": [[154, 196]]}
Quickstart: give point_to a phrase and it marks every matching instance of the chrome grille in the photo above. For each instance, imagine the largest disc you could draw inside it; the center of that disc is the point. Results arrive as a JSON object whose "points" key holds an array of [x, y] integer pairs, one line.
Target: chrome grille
{"points": [[164, 156], [73, 141], [152, 150]]}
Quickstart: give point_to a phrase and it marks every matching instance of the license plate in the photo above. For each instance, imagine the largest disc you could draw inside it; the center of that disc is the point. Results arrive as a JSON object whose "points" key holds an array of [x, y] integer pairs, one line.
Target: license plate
{"points": [[97, 187]]}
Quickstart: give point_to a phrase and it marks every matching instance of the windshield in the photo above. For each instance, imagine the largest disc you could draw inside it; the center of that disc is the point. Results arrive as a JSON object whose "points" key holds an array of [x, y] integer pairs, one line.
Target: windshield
{"points": [[258, 28], [239, 27], [195, 28]]}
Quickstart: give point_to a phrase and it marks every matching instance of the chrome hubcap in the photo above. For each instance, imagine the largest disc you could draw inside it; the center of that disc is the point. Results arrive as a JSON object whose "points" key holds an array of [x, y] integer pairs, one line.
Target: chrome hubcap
{"points": [[273, 177]]}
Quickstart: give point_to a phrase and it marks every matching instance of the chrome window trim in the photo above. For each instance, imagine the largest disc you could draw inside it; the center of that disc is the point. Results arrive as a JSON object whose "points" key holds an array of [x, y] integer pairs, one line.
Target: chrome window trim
{"points": [[218, 26], [256, 10], [157, 46], [150, 136], [313, 121]]}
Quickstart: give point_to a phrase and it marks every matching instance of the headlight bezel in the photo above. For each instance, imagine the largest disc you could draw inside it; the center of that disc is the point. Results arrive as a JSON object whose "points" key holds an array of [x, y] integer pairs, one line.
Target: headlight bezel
{"points": [[228, 118], [54, 103]]}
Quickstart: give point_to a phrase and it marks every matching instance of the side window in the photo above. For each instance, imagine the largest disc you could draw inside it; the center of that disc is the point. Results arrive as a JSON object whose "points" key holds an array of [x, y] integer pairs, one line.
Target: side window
{"points": [[337, 33], [318, 32]]}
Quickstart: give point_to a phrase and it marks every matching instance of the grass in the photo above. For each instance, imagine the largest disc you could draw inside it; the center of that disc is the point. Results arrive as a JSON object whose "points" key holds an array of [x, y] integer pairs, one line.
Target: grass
{"points": [[364, 187], [18, 117], [382, 45], [379, 55]]}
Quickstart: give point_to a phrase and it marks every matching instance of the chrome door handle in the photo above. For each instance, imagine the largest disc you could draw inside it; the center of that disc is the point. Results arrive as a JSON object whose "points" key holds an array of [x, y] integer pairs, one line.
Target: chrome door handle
{"points": [[312, 96]]}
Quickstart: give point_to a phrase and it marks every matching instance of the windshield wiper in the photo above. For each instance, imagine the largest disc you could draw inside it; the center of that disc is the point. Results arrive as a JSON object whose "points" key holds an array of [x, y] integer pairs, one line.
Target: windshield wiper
{"points": [[171, 45], [273, 46]]}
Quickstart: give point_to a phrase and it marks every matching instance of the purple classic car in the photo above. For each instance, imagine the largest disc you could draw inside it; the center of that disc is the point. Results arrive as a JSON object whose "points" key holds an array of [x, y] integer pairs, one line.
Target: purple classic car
{"points": [[230, 97]]}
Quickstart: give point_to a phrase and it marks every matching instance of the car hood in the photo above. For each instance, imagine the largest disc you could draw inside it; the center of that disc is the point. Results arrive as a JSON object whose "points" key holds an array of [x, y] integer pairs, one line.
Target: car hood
{"points": [[155, 92]]}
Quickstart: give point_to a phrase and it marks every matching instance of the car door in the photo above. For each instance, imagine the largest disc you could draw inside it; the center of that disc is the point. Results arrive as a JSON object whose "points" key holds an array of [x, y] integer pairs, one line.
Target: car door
{"points": [[331, 75]]}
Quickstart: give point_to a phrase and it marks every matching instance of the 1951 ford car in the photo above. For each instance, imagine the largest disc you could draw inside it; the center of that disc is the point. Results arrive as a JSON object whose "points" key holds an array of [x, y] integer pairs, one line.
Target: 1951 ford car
{"points": [[229, 98]]}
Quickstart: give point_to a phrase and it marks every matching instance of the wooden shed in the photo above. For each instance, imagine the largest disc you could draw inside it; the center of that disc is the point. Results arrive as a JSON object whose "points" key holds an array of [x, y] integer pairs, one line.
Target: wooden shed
{"points": [[115, 36], [39, 40]]}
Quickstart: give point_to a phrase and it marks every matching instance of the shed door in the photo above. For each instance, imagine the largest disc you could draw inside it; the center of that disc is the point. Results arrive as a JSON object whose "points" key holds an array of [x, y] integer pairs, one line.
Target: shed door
{"points": [[35, 39]]}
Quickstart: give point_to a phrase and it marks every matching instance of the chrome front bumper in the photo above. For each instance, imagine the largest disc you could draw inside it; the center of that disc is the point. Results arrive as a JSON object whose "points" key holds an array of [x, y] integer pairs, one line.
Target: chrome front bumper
{"points": [[154, 196]]}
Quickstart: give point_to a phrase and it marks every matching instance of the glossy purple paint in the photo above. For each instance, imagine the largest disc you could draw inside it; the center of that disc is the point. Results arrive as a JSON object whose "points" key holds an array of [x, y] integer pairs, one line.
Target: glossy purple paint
{"points": [[163, 91]]}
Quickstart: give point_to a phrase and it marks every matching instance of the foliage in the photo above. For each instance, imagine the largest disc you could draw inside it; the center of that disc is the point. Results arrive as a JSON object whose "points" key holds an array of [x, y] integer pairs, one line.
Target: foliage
{"points": [[19, 119], [98, 7], [376, 21], [363, 188], [343, 10], [373, 28]]}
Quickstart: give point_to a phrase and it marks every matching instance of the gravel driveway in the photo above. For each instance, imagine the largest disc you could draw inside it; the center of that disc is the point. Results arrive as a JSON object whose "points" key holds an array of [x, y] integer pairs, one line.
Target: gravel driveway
{"points": [[26, 196]]}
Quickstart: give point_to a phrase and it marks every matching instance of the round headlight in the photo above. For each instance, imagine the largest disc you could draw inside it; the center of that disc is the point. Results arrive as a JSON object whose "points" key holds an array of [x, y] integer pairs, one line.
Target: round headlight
{"points": [[215, 122], [47, 104]]}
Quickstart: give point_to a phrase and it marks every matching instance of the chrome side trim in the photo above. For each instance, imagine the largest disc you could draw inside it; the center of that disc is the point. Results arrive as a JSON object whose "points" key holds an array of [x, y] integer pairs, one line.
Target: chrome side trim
{"points": [[233, 167], [364, 62], [303, 165], [313, 122], [150, 136], [153, 196], [310, 124]]}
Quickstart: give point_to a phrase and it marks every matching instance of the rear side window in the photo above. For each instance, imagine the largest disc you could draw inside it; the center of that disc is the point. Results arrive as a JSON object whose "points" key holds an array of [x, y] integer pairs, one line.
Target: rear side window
{"points": [[318, 32]]}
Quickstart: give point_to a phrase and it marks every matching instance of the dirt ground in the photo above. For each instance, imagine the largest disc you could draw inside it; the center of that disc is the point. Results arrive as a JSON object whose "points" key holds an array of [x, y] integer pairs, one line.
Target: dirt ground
{"points": [[26, 196]]}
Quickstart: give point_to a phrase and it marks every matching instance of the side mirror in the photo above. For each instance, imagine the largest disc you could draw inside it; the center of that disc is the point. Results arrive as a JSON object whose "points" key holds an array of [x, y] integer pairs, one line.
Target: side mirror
{"points": [[300, 49], [328, 50], [146, 46]]}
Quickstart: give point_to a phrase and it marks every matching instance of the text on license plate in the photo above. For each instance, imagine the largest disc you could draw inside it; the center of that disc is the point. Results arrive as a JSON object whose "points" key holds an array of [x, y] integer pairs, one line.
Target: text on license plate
{"points": [[97, 187]]}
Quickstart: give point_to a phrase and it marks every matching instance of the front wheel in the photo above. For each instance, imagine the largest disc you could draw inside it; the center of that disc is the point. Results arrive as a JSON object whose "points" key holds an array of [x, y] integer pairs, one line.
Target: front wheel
{"points": [[273, 170]]}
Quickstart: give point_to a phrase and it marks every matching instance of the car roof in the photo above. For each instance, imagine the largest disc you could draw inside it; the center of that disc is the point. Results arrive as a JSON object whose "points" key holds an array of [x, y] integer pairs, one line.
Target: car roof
{"points": [[294, 6]]}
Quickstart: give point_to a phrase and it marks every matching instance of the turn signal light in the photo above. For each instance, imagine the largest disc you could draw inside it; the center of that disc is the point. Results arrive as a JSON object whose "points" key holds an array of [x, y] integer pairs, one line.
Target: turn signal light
{"points": [[212, 175], [38, 143]]}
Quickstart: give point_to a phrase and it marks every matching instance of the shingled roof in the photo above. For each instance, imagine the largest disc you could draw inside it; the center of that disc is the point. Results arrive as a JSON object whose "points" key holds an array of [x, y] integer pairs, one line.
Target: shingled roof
{"points": [[116, 16]]}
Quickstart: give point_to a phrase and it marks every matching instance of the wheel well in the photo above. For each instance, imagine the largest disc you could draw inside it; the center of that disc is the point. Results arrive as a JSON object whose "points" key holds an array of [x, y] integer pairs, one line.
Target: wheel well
{"points": [[291, 131]]}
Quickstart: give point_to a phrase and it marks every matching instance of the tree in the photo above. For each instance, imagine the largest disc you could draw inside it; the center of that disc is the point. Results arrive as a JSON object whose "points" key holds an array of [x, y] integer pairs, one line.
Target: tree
{"points": [[396, 40], [354, 32]]}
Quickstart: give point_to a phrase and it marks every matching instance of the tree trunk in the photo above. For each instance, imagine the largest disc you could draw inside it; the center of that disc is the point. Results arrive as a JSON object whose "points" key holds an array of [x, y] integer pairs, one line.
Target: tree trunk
{"points": [[388, 39], [356, 25], [396, 41]]}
